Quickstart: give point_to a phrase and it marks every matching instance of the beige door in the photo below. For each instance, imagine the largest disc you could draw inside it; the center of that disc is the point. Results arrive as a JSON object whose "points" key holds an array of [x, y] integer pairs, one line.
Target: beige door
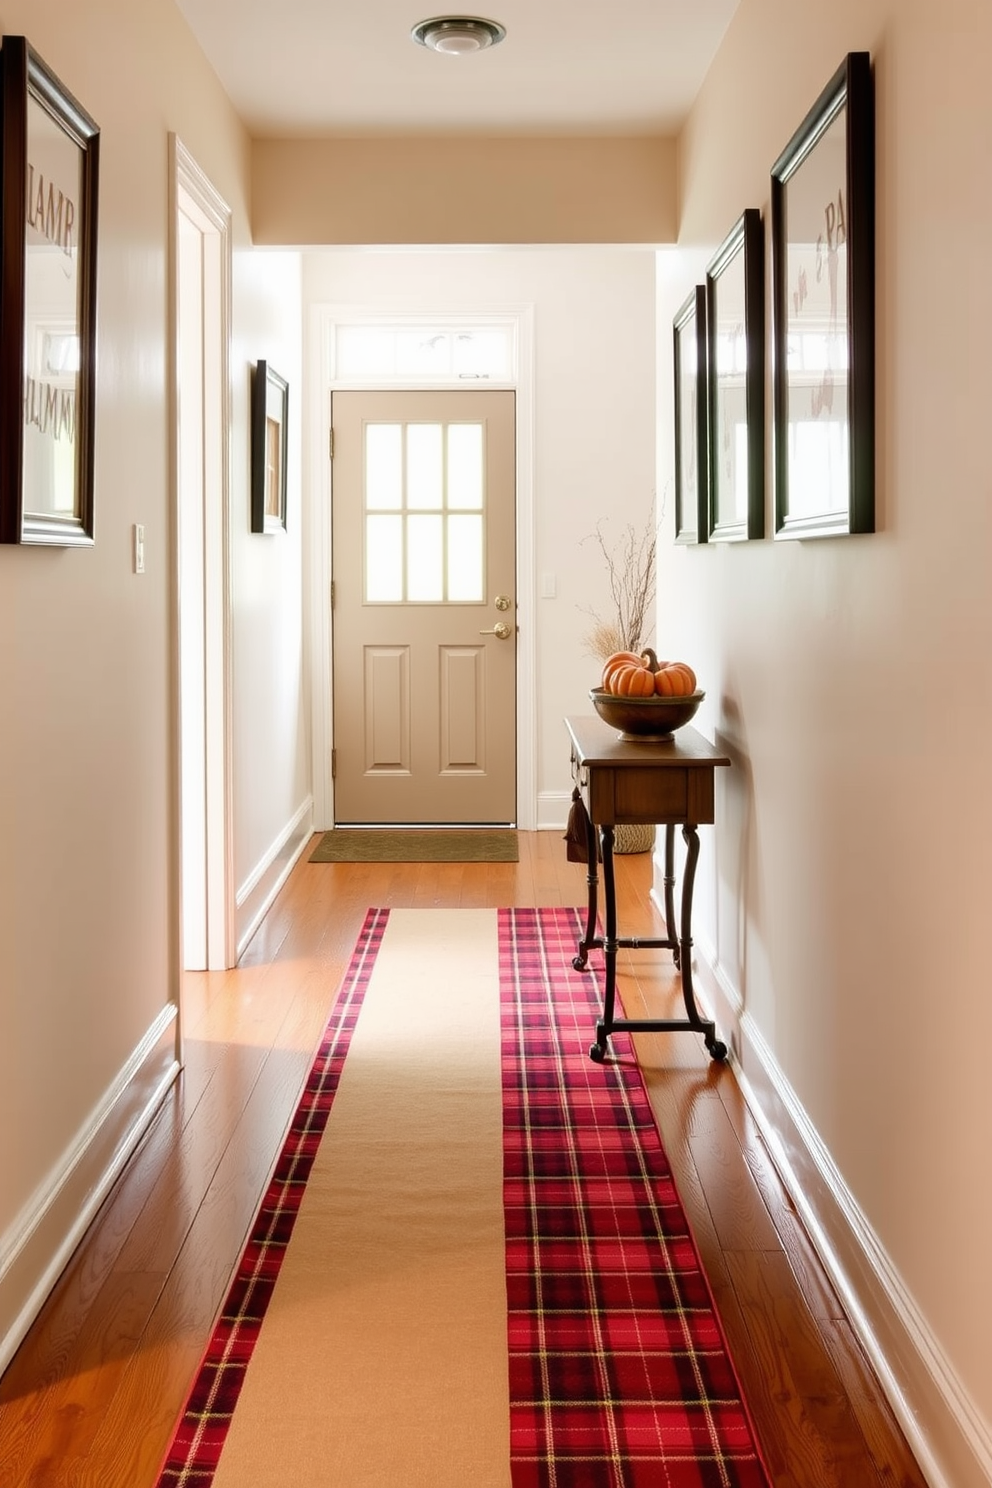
{"points": [[424, 617]]}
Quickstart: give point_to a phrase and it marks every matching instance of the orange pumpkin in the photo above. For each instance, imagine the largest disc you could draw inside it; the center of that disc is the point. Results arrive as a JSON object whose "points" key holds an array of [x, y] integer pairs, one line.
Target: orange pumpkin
{"points": [[614, 662], [632, 680], [674, 679]]}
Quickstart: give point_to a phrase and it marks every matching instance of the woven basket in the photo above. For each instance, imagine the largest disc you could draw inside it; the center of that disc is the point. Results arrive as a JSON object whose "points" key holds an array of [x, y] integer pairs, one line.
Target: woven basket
{"points": [[633, 838]]}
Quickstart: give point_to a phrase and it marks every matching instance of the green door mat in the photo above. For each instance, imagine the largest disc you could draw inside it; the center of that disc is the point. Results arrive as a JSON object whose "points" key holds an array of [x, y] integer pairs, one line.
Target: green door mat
{"points": [[406, 845]]}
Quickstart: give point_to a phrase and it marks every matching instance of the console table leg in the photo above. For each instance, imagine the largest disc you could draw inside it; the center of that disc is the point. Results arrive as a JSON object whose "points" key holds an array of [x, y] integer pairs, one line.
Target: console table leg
{"points": [[670, 892], [580, 960], [605, 1025], [718, 1050]]}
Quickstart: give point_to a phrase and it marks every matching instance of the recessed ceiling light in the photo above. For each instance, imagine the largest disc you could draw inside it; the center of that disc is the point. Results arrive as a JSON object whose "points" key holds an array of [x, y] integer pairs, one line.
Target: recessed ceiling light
{"points": [[458, 35]]}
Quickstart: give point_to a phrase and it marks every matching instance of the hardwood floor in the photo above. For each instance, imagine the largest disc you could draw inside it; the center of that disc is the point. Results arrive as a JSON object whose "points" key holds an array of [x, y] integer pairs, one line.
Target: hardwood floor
{"points": [[92, 1395]]}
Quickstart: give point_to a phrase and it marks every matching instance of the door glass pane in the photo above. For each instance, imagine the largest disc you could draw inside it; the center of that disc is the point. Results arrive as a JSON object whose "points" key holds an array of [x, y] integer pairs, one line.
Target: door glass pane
{"points": [[424, 467], [465, 466], [383, 467], [465, 559], [425, 559], [384, 559]]}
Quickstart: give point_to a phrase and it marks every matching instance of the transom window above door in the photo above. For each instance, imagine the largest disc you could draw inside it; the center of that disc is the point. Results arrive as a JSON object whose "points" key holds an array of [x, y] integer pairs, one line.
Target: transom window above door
{"points": [[424, 513], [424, 352]]}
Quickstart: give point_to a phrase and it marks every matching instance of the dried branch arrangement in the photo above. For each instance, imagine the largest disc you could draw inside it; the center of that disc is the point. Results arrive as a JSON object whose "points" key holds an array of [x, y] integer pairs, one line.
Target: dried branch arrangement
{"points": [[631, 571]]}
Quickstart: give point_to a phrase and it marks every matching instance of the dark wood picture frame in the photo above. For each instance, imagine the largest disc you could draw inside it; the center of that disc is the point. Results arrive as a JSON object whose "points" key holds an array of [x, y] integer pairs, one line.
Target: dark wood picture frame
{"points": [[823, 313], [269, 448], [735, 334], [49, 175], [691, 419]]}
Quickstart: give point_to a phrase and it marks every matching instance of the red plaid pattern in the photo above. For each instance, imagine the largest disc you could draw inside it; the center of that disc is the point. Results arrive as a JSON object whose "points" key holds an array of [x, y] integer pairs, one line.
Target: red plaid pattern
{"points": [[194, 1452], [619, 1373]]}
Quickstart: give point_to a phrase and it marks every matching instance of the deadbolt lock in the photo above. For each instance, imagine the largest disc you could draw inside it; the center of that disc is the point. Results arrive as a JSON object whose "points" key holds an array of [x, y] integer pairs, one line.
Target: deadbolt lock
{"points": [[502, 602]]}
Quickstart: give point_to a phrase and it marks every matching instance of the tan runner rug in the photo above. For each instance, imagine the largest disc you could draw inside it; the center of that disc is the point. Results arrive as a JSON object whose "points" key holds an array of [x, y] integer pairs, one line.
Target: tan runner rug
{"points": [[383, 1356]]}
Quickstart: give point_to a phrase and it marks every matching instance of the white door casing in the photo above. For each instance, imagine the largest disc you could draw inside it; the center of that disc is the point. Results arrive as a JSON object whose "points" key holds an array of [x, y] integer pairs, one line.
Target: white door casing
{"points": [[322, 382], [201, 329]]}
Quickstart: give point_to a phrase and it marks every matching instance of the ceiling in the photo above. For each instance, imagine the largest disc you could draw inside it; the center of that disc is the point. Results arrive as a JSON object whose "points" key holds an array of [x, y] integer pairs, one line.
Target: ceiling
{"points": [[349, 67]]}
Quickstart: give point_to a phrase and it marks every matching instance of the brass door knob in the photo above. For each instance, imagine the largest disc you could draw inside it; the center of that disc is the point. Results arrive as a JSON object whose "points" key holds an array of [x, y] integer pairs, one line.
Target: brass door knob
{"points": [[500, 630]]}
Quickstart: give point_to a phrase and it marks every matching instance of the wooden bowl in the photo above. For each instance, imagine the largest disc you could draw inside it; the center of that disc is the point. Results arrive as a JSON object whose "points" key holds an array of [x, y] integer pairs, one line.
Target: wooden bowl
{"points": [[645, 718]]}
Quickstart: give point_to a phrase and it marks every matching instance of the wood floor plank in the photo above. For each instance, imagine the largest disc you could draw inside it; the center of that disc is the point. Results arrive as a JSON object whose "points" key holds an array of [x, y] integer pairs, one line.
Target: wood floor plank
{"points": [[896, 1466], [806, 1415]]}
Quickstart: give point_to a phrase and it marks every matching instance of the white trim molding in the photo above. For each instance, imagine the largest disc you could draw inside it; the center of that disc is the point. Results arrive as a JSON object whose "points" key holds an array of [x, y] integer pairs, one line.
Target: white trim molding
{"points": [[257, 894], [191, 191], [37, 1246]]}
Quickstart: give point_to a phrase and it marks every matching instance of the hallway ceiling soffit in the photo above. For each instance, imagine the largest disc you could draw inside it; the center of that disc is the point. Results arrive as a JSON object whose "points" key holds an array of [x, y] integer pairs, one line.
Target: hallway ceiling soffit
{"points": [[309, 69]]}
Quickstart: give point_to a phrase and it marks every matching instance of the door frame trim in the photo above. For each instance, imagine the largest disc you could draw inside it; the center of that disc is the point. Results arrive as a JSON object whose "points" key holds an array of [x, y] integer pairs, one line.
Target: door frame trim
{"points": [[186, 177], [324, 318]]}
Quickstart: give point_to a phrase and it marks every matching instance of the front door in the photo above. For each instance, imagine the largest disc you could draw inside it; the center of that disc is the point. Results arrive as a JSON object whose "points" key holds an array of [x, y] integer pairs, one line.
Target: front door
{"points": [[424, 607]]}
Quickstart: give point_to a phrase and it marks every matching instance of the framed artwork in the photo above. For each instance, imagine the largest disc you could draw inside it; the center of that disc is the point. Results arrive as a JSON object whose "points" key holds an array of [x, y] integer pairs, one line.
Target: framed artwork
{"points": [[823, 286], [691, 485], [269, 422], [735, 332], [49, 174]]}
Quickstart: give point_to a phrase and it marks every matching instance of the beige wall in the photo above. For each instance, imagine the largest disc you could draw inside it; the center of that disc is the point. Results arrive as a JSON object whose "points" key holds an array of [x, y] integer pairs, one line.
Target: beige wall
{"points": [[416, 190], [87, 928], [850, 679], [592, 410], [270, 715]]}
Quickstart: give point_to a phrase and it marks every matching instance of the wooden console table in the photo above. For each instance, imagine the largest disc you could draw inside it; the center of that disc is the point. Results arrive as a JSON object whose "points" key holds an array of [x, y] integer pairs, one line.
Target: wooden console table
{"points": [[664, 782]]}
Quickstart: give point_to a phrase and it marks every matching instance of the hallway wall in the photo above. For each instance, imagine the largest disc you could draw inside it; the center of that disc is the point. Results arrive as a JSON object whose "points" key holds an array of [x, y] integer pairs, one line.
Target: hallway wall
{"points": [[844, 903], [88, 929], [592, 457]]}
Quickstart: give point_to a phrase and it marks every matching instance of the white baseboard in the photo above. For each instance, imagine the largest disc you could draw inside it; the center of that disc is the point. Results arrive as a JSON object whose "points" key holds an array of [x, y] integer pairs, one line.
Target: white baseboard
{"points": [[35, 1248], [947, 1433], [552, 810], [951, 1441], [255, 896]]}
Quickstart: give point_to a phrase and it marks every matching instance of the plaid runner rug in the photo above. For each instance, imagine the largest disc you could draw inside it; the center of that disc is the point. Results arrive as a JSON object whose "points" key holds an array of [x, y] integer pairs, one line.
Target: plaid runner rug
{"points": [[619, 1375], [618, 1372]]}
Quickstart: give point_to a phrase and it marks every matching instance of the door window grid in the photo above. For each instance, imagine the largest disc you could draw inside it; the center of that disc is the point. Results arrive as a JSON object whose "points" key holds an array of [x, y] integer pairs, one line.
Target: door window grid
{"points": [[424, 510]]}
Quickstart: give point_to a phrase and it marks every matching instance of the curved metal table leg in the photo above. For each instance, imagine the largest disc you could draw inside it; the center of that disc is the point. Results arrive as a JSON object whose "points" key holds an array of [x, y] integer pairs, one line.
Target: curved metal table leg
{"points": [[589, 939], [606, 1024], [717, 1049], [670, 892]]}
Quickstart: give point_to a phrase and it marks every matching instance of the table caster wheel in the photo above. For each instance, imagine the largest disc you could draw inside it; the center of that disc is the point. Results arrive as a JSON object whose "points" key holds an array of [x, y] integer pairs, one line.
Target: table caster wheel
{"points": [[597, 1053], [717, 1049]]}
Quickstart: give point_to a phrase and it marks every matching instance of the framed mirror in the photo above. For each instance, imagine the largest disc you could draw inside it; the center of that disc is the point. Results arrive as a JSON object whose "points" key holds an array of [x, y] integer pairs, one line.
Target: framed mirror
{"points": [[691, 419], [269, 449], [823, 311], [50, 164], [735, 329]]}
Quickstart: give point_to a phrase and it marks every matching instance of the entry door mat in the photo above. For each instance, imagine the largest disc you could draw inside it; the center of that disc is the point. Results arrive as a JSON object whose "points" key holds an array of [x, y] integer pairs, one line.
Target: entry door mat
{"points": [[410, 845]]}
